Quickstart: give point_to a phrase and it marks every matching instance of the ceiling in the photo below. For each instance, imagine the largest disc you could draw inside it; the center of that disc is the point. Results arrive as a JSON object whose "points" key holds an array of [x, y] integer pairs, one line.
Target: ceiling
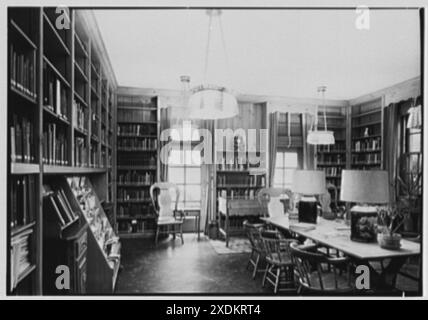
{"points": [[268, 52]]}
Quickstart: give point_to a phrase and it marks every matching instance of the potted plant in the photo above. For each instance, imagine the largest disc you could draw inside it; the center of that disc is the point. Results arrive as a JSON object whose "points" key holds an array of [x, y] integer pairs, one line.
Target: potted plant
{"points": [[390, 220], [408, 199]]}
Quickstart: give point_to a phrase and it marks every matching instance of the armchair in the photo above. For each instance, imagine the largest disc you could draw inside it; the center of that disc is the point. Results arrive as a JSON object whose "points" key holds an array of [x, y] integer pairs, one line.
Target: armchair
{"points": [[168, 215]]}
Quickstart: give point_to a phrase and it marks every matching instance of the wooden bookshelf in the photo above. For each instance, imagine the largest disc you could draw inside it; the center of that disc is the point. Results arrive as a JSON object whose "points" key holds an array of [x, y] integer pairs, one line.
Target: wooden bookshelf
{"points": [[366, 135], [137, 162], [236, 178], [57, 80], [332, 158]]}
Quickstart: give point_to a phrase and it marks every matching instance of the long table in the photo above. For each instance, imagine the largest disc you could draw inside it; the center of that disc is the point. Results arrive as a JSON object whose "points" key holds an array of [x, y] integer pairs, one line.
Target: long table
{"points": [[337, 235]]}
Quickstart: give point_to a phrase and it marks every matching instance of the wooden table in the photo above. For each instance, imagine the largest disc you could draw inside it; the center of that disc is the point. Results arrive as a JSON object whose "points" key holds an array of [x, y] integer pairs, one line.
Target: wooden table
{"points": [[196, 214], [337, 235]]}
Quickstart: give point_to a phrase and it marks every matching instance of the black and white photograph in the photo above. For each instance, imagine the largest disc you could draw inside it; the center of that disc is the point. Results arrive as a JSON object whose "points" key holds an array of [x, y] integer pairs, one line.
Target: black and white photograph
{"points": [[213, 150]]}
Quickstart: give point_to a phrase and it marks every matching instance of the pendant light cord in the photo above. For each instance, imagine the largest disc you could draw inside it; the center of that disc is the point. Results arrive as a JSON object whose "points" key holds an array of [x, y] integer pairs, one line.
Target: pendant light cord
{"points": [[207, 49]]}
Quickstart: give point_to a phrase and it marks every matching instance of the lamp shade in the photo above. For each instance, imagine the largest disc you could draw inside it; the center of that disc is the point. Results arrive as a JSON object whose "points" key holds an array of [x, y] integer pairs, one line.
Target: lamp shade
{"points": [[319, 137], [309, 182], [212, 102], [369, 186]]}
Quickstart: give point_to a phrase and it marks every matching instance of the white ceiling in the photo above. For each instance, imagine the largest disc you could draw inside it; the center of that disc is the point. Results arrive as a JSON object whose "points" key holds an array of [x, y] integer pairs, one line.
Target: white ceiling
{"points": [[270, 52]]}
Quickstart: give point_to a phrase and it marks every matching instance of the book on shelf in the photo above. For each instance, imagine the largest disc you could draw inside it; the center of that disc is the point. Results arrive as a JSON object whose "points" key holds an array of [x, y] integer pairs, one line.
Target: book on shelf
{"points": [[135, 130], [136, 177], [19, 256], [22, 71], [137, 116], [55, 144], [80, 152], [80, 116], [22, 140], [22, 200], [131, 100], [133, 195], [60, 205], [54, 94]]}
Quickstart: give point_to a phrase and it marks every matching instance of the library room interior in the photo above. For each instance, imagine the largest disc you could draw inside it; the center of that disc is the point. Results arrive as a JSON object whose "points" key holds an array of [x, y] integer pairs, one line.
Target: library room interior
{"points": [[214, 152]]}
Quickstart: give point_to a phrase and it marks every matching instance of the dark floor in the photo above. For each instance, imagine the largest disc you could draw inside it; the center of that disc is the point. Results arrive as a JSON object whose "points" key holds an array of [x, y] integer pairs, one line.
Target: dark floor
{"points": [[192, 268]]}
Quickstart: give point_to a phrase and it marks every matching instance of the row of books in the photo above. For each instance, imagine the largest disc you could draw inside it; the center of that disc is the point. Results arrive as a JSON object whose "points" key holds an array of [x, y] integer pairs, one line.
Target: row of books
{"points": [[22, 71], [22, 146], [54, 93], [55, 145], [367, 145], [135, 160], [60, 205], [337, 147], [370, 158], [22, 200], [19, 256], [80, 116], [326, 158], [137, 116], [139, 144], [333, 171], [134, 101], [135, 130], [237, 194], [136, 177], [134, 209], [236, 164], [133, 195], [361, 132], [80, 152], [250, 181]]}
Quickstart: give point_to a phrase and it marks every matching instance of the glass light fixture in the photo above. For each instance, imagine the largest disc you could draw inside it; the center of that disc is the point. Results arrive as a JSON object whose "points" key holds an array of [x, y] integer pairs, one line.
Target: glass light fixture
{"points": [[209, 101], [320, 137]]}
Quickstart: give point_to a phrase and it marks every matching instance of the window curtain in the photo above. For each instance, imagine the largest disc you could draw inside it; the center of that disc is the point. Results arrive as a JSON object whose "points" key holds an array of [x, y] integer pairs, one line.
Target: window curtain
{"points": [[207, 178], [165, 114], [308, 149], [273, 144], [391, 148]]}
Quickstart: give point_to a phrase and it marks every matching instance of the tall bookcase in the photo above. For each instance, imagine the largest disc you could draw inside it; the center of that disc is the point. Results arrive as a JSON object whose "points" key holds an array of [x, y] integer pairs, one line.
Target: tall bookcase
{"points": [[137, 162], [366, 136], [56, 81], [237, 178], [332, 158]]}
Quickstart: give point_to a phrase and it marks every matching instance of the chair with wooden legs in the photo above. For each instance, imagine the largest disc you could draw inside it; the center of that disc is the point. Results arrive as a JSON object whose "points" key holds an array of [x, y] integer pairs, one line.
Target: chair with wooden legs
{"points": [[319, 273], [257, 249], [169, 217], [279, 267]]}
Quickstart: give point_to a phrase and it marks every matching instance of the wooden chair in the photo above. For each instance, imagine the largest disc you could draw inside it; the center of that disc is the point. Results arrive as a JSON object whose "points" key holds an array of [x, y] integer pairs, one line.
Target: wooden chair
{"points": [[319, 273], [257, 249], [232, 213], [279, 265], [270, 198], [168, 217]]}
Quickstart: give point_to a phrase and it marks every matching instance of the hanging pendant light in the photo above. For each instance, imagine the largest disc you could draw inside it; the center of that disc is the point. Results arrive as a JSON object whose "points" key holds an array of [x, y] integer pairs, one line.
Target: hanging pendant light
{"points": [[209, 101], [322, 137]]}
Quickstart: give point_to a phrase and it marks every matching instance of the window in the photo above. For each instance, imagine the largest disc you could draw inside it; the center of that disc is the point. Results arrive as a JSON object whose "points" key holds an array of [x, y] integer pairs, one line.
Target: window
{"points": [[286, 163], [184, 169]]}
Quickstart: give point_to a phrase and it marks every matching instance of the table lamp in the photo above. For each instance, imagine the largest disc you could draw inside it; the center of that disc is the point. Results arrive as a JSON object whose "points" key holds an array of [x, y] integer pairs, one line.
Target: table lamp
{"points": [[364, 188], [308, 183]]}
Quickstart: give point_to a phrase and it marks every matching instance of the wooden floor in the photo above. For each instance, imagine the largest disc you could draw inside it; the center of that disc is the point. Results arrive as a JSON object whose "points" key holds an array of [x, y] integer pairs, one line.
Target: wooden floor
{"points": [[193, 268]]}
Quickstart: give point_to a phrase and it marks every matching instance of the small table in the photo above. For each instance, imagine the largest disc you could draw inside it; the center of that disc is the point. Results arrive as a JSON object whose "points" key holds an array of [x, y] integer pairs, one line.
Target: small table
{"points": [[196, 214]]}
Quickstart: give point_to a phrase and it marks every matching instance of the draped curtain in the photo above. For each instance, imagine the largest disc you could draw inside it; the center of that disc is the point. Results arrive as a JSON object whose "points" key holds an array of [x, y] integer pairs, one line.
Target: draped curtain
{"points": [[308, 149], [391, 148], [207, 178], [165, 114], [273, 144]]}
